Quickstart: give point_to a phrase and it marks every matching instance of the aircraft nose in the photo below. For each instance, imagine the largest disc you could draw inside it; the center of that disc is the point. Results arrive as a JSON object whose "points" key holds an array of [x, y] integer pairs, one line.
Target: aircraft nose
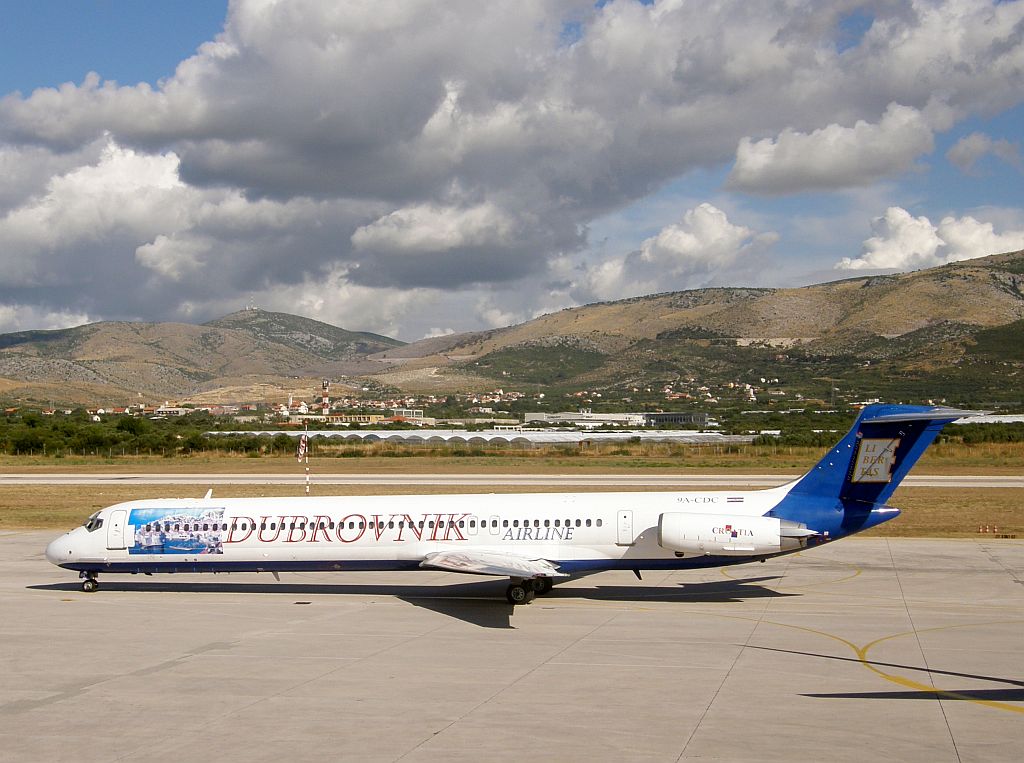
{"points": [[59, 550]]}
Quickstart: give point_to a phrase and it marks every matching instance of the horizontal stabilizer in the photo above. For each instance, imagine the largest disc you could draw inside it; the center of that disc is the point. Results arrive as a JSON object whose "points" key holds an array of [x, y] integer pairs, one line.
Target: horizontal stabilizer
{"points": [[491, 563], [937, 412]]}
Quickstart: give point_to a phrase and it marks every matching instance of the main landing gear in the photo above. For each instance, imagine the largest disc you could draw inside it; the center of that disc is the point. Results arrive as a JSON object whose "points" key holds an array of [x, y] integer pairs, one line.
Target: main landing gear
{"points": [[89, 581], [524, 591]]}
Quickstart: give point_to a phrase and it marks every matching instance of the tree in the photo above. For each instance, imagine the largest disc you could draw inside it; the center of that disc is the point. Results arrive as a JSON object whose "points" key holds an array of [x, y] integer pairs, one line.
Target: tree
{"points": [[133, 426]]}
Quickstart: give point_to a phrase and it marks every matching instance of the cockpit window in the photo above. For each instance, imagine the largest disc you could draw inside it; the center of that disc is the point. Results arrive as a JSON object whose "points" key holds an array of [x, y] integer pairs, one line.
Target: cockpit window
{"points": [[95, 522]]}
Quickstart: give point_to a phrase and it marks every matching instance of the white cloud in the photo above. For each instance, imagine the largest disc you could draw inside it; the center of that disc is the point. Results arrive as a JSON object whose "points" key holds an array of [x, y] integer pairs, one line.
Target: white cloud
{"points": [[28, 317], [436, 331], [122, 193], [432, 228], [833, 156], [904, 242], [965, 238], [492, 316], [459, 147], [971, 148], [173, 257], [688, 254]]}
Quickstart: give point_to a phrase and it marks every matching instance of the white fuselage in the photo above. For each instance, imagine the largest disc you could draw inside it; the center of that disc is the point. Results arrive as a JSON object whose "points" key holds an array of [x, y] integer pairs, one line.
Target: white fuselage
{"points": [[577, 531]]}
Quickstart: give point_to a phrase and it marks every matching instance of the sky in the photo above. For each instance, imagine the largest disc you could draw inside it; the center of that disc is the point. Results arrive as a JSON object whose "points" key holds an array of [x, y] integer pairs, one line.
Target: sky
{"points": [[418, 168]]}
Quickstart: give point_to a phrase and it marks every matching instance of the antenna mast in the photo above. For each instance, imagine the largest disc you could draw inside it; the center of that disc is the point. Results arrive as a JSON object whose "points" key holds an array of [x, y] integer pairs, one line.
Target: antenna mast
{"points": [[302, 454]]}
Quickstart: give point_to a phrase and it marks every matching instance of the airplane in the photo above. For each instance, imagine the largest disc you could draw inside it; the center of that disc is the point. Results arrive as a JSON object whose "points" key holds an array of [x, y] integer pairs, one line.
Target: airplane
{"points": [[534, 540]]}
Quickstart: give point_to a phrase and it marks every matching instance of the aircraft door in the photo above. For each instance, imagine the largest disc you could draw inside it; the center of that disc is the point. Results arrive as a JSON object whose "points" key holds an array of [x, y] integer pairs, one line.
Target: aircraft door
{"points": [[115, 529], [493, 524], [624, 529], [472, 525]]}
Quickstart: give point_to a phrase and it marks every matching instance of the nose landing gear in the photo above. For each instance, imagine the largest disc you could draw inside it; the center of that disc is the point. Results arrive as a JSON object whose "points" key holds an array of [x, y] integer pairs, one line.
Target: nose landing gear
{"points": [[89, 581]]}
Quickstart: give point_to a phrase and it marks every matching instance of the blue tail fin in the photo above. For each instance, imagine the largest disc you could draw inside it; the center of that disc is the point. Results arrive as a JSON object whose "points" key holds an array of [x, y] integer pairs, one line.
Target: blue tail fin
{"points": [[847, 490]]}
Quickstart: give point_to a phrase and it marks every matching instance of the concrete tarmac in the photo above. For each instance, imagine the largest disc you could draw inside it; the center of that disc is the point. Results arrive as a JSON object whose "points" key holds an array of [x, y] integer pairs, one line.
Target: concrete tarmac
{"points": [[873, 649]]}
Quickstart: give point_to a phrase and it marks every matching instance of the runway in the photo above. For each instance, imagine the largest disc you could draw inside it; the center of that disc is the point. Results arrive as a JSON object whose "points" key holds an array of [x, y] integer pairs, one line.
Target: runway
{"points": [[667, 481], [874, 649]]}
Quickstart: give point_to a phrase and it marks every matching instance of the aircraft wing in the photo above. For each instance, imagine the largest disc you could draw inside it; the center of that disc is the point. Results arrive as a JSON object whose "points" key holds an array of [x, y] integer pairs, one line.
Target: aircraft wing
{"points": [[491, 563]]}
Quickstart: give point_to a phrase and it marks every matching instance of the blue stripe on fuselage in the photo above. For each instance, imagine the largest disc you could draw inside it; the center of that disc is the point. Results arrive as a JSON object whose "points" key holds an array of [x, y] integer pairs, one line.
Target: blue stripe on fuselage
{"points": [[390, 565]]}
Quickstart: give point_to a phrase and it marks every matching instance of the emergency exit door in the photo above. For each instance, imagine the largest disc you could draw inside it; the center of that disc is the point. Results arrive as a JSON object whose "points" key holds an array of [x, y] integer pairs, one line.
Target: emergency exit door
{"points": [[115, 529], [625, 528]]}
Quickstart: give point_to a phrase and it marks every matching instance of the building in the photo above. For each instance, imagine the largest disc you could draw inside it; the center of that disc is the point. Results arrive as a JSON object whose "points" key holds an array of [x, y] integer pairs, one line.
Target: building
{"points": [[355, 418], [691, 418], [585, 418]]}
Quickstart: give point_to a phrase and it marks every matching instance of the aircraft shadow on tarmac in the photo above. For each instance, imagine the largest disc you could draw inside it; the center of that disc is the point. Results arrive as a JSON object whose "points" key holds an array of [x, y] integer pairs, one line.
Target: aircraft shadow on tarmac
{"points": [[1015, 694], [480, 603]]}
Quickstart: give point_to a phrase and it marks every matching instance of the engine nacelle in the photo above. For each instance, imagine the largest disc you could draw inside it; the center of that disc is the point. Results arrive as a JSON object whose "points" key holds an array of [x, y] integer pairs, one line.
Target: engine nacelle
{"points": [[723, 535]]}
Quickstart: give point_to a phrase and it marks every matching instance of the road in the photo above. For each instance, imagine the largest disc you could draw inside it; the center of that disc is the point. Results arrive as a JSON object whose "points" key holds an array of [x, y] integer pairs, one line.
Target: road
{"points": [[483, 480]]}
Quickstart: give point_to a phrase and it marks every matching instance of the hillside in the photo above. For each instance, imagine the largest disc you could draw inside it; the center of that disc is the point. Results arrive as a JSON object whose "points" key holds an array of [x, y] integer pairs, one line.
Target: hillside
{"points": [[169, 360], [318, 339], [955, 331], [957, 327]]}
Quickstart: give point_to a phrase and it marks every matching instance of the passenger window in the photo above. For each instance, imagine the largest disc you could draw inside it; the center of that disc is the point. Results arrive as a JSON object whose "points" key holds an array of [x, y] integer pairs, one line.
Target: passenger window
{"points": [[599, 523], [515, 523], [588, 523], [556, 523], [547, 523], [504, 523], [536, 523], [578, 523]]}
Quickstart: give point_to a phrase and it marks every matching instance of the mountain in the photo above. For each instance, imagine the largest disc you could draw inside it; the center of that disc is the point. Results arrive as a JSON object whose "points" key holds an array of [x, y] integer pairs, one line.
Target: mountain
{"points": [[955, 331], [118, 360], [318, 339], [951, 330]]}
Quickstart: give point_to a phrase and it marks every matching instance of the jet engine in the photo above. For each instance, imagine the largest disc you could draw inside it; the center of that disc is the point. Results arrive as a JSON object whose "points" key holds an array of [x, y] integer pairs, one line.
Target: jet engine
{"points": [[722, 535]]}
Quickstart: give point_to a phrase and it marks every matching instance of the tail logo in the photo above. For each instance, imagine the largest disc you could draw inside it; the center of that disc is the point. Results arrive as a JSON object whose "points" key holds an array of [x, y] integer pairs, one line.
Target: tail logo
{"points": [[875, 460]]}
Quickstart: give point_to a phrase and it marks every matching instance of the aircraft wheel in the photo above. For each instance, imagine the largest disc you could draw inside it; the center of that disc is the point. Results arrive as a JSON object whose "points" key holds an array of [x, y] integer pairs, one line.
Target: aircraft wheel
{"points": [[90, 584], [543, 585], [519, 593]]}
